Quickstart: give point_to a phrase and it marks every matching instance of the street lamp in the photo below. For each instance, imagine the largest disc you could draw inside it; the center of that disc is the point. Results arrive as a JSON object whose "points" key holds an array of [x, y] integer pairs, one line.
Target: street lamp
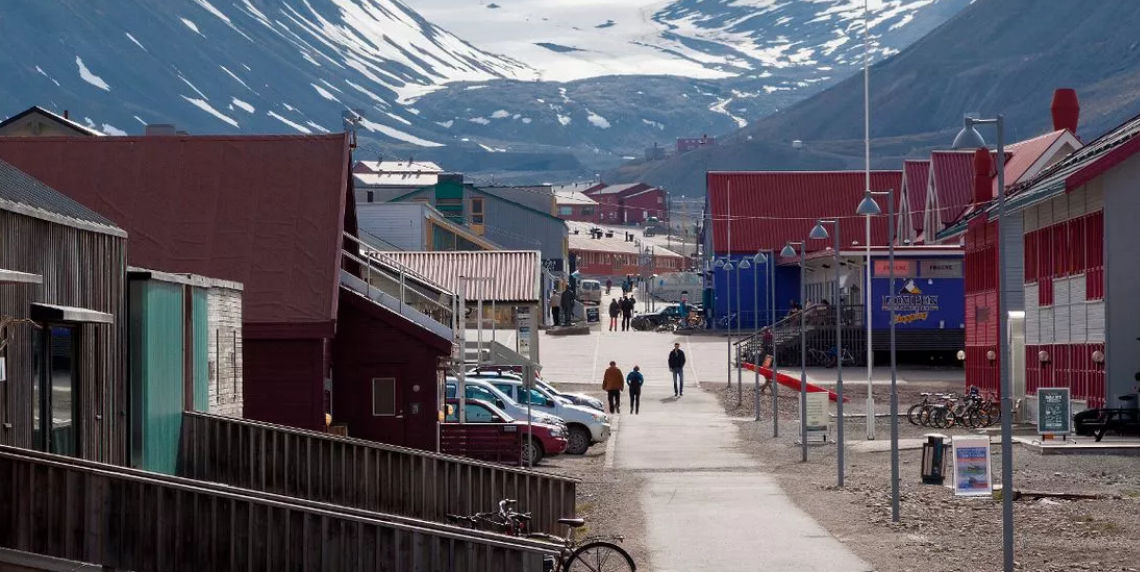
{"points": [[728, 268], [772, 332], [969, 137], [820, 233], [868, 207], [758, 259], [790, 252]]}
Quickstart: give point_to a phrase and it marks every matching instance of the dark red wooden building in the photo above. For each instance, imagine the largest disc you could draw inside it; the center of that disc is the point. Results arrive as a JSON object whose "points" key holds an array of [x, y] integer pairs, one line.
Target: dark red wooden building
{"points": [[270, 212]]}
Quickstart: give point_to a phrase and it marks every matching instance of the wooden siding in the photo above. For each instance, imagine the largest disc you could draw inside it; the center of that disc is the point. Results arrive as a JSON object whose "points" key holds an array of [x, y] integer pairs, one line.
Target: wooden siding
{"points": [[494, 442], [363, 474], [79, 268], [133, 520]]}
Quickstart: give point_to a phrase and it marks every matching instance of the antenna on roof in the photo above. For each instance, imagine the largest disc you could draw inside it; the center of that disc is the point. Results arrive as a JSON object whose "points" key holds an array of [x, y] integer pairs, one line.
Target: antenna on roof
{"points": [[351, 117]]}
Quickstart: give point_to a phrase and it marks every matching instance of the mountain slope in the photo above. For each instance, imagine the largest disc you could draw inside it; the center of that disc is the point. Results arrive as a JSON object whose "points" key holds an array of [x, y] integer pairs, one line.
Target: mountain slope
{"points": [[243, 65], [997, 56]]}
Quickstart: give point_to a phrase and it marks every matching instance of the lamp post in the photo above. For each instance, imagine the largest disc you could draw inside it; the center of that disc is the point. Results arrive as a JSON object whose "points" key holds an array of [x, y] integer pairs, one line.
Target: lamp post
{"points": [[757, 259], [788, 252], [967, 138], [772, 331], [820, 233], [868, 207]]}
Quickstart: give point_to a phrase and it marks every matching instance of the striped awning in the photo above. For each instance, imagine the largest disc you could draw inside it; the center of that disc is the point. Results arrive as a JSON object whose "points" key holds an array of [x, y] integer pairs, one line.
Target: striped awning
{"points": [[496, 275]]}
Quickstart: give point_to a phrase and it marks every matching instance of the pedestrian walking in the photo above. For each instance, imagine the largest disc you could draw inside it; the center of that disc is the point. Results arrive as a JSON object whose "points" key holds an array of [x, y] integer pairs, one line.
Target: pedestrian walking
{"points": [[615, 311], [677, 368], [626, 312], [635, 381], [555, 304], [613, 383], [609, 284]]}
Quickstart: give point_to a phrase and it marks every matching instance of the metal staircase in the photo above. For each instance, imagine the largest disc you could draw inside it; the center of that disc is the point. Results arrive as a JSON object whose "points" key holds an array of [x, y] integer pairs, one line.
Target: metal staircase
{"points": [[818, 333]]}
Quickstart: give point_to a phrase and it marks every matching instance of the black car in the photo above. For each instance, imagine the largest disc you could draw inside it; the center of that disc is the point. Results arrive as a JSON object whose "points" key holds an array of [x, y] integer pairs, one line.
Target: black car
{"points": [[661, 316]]}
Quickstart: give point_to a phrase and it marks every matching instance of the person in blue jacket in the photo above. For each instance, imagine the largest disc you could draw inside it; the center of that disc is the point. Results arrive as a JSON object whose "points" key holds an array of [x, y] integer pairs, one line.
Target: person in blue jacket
{"points": [[635, 381]]}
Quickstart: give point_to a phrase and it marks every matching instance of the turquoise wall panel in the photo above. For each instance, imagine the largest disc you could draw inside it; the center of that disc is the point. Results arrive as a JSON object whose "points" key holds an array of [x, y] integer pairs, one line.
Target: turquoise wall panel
{"points": [[156, 373]]}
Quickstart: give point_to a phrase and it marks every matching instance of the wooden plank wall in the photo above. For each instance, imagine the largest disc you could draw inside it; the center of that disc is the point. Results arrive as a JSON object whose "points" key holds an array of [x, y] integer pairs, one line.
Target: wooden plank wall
{"points": [[132, 520], [79, 268], [364, 474]]}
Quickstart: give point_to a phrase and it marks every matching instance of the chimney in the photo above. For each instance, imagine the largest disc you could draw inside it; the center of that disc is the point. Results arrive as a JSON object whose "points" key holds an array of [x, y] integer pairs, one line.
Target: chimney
{"points": [[160, 129], [1066, 109], [983, 176], [66, 115]]}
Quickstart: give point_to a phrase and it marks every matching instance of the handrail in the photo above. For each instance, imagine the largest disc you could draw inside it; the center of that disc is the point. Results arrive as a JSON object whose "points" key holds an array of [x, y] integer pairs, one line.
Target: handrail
{"points": [[377, 254], [792, 319]]}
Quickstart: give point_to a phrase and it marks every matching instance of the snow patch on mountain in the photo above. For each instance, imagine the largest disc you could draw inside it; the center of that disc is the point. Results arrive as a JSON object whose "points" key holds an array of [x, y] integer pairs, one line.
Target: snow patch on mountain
{"points": [[243, 105], [89, 77], [205, 106], [597, 120], [288, 122], [193, 27], [136, 42]]}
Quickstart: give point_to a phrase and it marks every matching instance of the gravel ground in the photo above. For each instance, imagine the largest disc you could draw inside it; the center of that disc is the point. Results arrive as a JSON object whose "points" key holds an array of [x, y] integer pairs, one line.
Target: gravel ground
{"points": [[610, 501], [937, 531]]}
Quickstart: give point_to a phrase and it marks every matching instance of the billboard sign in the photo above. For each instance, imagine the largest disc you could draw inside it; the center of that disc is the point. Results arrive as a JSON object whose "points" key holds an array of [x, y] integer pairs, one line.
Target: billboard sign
{"points": [[972, 470]]}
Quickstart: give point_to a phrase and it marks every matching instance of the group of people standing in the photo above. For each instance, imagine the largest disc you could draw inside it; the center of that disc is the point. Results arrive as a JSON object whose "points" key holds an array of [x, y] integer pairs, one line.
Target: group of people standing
{"points": [[624, 309], [614, 383]]}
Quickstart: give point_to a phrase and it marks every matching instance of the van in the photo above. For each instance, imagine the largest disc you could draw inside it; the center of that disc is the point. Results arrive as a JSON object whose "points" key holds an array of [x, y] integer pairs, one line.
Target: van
{"points": [[590, 292]]}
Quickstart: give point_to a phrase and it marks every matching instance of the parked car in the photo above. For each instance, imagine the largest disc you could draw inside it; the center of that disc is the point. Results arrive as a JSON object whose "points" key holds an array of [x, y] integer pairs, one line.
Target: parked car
{"points": [[586, 426], [547, 440], [590, 292], [663, 315], [511, 371], [484, 391]]}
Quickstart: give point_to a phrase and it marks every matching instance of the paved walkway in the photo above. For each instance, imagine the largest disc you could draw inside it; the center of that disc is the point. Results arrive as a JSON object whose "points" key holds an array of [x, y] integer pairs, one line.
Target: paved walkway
{"points": [[708, 505]]}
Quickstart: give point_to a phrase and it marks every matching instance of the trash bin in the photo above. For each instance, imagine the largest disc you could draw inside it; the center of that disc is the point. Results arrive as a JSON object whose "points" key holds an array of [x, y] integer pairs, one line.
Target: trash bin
{"points": [[933, 459]]}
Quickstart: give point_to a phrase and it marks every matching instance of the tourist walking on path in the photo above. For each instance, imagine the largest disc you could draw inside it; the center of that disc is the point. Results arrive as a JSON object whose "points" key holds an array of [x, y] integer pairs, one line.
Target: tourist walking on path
{"points": [[635, 380], [677, 367], [613, 382], [626, 312], [555, 304], [609, 284], [615, 311]]}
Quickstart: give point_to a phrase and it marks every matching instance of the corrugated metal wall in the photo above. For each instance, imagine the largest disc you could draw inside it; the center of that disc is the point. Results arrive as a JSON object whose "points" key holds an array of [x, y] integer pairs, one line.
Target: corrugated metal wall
{"points": [[401, 224], [157, 346], [79, 268]]}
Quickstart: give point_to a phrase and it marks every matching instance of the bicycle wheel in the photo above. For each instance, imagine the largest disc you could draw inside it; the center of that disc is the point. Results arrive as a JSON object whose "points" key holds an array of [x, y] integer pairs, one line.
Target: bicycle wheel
{"points": [[912, 414], [599, 557]]}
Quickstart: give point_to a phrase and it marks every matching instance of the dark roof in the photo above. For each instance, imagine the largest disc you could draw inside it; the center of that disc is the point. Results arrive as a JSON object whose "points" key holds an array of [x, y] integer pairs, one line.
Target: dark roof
{"points": [[22, 193], [618, 189], [266, 211], [770, 208], [916, 178], [52, 116]]}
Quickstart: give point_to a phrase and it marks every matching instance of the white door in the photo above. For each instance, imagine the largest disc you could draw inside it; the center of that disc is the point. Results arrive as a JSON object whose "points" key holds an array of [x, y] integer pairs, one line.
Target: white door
{"points": [[1017, 364]]}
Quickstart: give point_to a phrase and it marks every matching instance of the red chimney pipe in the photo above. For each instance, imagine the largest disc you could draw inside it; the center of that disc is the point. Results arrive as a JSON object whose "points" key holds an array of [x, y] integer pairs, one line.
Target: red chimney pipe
{"points": [[1066, 109], [983, 177]]}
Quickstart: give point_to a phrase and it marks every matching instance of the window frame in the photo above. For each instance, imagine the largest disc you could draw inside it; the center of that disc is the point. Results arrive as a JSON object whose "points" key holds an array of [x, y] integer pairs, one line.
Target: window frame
{"points": [[373, 384]]}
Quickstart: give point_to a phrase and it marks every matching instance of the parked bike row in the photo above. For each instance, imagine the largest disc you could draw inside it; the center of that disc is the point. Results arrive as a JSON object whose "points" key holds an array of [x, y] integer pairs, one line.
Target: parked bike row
{"points": [[946, 410]]}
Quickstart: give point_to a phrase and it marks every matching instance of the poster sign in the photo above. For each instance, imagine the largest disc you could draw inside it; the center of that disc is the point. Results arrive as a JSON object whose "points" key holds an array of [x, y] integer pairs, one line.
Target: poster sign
{"points": [[817, 415], [592, 315], [903, 268], [523, 327], [940, 268], [972, 471], [1054, 411]]}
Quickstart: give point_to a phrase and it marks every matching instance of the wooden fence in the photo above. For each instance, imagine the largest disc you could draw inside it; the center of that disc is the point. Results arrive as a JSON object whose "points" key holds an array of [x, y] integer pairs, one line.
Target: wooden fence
{"points": [[132, 520], [364, 474]]}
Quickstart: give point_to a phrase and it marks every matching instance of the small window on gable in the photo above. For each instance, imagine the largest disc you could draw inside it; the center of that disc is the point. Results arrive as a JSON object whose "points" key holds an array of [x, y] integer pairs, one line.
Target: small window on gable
{"points": [[383, 396]]}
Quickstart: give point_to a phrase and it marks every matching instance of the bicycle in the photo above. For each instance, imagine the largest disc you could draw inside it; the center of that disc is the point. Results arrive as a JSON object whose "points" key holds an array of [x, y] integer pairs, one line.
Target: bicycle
{"points": [[591, 554], [727, 322], [817, 357]]}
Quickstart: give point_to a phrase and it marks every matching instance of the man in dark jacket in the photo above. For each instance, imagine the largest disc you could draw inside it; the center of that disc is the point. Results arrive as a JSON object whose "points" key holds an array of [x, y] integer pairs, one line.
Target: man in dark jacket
{"points": [[567, 305], [626, 312], [635, 381], [615, 311], [677, 367]]}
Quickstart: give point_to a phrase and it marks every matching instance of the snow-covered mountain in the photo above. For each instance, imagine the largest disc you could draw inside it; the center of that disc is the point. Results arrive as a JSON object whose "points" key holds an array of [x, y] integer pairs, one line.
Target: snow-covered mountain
{"points": [[490, 84]]}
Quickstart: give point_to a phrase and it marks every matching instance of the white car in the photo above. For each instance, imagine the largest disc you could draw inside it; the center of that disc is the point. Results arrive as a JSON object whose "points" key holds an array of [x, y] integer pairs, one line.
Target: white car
{"points": [[481, 389], [585, 425], [574, 398]]}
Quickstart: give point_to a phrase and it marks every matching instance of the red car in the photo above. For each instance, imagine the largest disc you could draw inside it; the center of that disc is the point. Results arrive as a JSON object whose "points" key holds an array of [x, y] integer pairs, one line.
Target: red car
{"points": [[490, 434]]}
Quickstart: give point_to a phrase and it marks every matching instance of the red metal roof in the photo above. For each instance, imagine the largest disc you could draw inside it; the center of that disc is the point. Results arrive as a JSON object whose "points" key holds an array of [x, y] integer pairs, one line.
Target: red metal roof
{"points": [[516, 272], [916, 177], [1024, 155], [770, 208], [952, 182], [266, 211]]}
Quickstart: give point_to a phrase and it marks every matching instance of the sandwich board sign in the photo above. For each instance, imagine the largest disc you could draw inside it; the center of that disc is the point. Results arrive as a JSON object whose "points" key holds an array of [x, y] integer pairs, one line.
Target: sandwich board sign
{"points": [[973, 475], [1054, 411], [817, 416]]}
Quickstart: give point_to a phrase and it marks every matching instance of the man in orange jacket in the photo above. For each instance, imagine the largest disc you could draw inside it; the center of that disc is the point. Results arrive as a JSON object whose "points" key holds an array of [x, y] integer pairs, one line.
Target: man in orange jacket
{"points": [[613, 382]]}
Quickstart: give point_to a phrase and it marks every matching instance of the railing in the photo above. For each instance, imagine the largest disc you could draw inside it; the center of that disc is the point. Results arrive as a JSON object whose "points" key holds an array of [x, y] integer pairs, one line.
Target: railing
{"points": [[384, 280], [363, 474], [132, 520], [819, 334]]}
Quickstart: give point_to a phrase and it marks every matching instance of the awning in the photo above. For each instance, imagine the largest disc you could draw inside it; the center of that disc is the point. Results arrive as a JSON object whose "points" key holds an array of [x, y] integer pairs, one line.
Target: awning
{"points": [[17, 277], [53, 313]]}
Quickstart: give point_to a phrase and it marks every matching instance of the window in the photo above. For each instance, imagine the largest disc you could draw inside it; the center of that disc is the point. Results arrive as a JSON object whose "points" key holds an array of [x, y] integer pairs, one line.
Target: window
{"points": [[56, 400], [507, 389], [477, 210], [565, 211], [383, 396], [586, 211], [477, 413]]}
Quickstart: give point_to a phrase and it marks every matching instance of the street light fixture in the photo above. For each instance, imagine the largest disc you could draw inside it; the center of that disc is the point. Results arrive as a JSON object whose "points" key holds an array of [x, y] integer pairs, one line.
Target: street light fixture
{"points": [[969, 137], [868, 207], [790, 252], [820, 233]]}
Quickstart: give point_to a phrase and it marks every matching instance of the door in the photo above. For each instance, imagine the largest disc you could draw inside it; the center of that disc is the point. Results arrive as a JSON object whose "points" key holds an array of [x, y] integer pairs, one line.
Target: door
{"points": [[56, 398], [1017, 364]]}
